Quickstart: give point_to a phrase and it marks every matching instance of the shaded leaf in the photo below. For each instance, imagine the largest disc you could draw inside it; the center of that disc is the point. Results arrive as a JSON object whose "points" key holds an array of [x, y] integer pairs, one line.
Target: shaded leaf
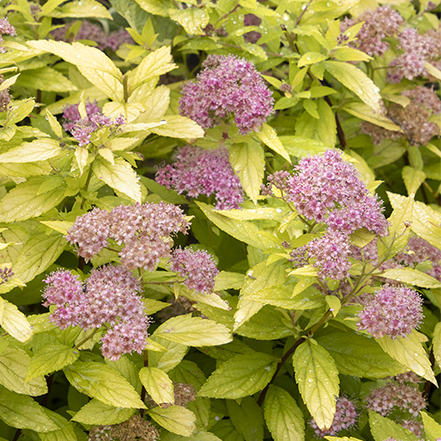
{"points": [[97, 413], [176, 419]]}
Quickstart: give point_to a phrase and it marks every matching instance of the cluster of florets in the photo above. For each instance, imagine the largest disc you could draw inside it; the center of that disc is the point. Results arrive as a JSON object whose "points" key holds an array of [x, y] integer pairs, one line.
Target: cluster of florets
{"points": [[135, 428], [95, 33], [197, 171], [414, 119], [228, 85], [328, 190], [5, 29], [82, 128], [378, 24], [394, 311], [5, 97], [5, 274], [108, 297], [345, 417]]}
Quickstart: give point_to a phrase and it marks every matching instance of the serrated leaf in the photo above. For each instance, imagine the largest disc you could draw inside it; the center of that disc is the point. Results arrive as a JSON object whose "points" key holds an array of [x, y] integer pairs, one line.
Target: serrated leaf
{"points": [[299, 147], [412, 179], [55, 125], [38, 150], [65, 432], [260, 212], [283, 416], [432, 429], [50, 358], [175, 419], [269, 137], [412, 277], [247, 418], [383, 428], [193, 20], [410, 353], [121, 177], [229, 280], [173, 355], [14, 363], [97, 413], [350, 54], [60, 226], [157, 384], [188, 372], [193, 331], [240, 376], [366, 113], [82, 9], [45, 78], [437, 343], [155, 7], [310, 58], [356, 81], [317, 377], [14, 322], [100, 381], [208, 299], [199, 436], [179, 127]]}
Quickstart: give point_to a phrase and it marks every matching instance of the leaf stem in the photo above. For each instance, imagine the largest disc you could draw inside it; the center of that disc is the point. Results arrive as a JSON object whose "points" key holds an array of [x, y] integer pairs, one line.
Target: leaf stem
{"points": [[78, 345]]}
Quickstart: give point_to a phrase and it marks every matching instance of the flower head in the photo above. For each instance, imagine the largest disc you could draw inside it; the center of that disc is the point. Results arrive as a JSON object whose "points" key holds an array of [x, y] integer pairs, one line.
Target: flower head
{"points": [[5, 29], [227, 85], [5, 274]]}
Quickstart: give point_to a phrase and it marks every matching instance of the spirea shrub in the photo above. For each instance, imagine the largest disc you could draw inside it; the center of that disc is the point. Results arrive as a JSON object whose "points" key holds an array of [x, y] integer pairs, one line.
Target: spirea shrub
{"points": [[220, 220]]}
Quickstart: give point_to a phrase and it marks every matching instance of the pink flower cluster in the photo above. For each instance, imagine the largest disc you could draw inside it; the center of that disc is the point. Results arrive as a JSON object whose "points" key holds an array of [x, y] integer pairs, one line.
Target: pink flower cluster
{"points": [[345, 417], [82, 128], [94, 32], [228, 85], [5, 29], [394, 311], [328, 190], [378, 24], [5, 274], [109, 297], [197, 171]]}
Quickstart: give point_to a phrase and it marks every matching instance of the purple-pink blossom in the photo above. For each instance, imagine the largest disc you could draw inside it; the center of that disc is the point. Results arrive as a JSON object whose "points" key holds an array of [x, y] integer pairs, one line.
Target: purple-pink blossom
{"points": [[5, 29], [227, 86], [197, 171]]}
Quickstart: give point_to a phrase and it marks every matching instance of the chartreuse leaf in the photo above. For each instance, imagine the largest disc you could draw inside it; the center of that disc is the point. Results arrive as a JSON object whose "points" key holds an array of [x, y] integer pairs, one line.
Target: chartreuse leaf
{"points": [[175, 419], [283, 416], [173, 355], [412, 277], [240, 376], [432, 429], [156, 7], [103, 383], [120, 176], [199, 436], [225, 430], [269, 213], [176, 126], [82, 9], [317, 377], [247, 418], [356, 81], [412, 178], [299, 146], [437, 343], [342, 438], [91, 62], [209, 299], [25, 201], [14, 322], [229, 280], [50, 358], [193, 331], [193, 20], [427, 223], [38, 150], [97, 413], [248, 161], [383, 428], [65, 432], [269, 137], [410, 353], [45, 78], [13, 365], [359, 356], [157, 384], [366, 113], [22, 412]]}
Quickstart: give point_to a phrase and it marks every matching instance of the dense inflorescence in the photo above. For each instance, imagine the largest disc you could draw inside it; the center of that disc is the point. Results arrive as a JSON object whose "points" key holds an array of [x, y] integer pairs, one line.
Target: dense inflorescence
{"points": [[5, 29], [394, 311], [227, 85], [197, 171], [5, 274]]}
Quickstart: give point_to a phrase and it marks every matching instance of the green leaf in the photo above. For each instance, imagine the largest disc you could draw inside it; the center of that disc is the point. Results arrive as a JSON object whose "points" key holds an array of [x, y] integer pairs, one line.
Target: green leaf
{"points": [[82, 9], [175, 419], [173, 355], [432, 429], [199, 436], [366, 113], [179, 127], [359, 356], [317, 377], [65, 432], [226, 431], [356, 81], [277, 214], [283, 416], [412, 277], [383, 428], [14, 322], [412, 179], [55, 125], [14, 363], [311, 58], [157, 384], [350, 54], [193, 20], [38, 150], [410, 353], [269, 137], [103, 383], [299, 147], [193, 331], [323, 129], [229, 280], [22, 412], [97, 413], [248, 161], [91, 62], [426, 223], [437, 343], [121, 177], [50, 358], [209, 299], [247, 418], [240, 376], [47, 79], [156, 7]]}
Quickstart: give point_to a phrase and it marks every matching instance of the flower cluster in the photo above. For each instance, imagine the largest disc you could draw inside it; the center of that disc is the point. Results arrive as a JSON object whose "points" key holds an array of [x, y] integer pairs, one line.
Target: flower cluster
{"points": [[135, 428], [345, 417], [109, 297], [94, 32], [394, 311], [227, 85], [378, 24], [197, 267], [197, 171], [328, 190], [414, 119], [82, 128], [5, 29], [5, 97]]}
